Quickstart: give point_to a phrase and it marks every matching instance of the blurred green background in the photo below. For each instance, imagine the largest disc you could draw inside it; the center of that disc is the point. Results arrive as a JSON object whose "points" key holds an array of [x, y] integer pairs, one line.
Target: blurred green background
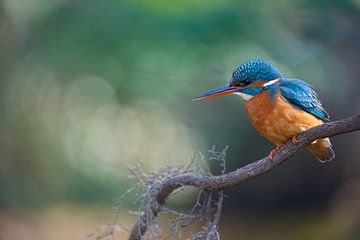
{"points": [[90, 87]]}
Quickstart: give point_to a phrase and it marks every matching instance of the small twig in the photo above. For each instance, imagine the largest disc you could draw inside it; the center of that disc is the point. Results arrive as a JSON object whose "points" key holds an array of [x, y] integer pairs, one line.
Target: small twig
{"points": [[249, 171]]}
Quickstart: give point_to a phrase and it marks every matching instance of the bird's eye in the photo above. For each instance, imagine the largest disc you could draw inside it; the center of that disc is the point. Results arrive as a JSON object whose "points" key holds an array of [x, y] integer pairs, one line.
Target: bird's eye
{"points": [[244, 83]]}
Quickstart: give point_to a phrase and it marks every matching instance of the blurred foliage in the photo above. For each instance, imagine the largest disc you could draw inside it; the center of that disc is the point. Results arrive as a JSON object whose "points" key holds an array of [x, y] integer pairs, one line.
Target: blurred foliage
{"points": [[90, 87]]}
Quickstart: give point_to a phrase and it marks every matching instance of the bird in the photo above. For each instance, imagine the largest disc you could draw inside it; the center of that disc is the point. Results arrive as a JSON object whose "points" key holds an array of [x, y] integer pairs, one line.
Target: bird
{"points": [[279, 108]]}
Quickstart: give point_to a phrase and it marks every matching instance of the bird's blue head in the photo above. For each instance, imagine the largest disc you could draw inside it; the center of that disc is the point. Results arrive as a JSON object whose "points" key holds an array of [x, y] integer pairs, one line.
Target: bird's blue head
{"points": [[247, 80]]}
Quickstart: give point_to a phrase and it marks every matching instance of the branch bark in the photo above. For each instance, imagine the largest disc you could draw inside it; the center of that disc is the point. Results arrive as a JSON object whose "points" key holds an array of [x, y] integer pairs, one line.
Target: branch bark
{"points": [[287, 151]]}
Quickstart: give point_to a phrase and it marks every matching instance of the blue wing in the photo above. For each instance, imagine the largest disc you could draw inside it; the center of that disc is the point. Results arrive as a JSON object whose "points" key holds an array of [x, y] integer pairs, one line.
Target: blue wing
{"points": [[301, 95]]}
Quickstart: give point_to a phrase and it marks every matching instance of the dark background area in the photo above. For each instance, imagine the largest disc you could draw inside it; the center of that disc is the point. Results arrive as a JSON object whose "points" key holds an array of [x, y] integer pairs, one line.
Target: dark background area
{"points": [[90, 87]]}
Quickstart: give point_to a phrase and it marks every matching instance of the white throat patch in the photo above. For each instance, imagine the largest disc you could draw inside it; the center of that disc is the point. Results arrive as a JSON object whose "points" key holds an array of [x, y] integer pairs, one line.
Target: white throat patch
{"points": [[244, 96]]}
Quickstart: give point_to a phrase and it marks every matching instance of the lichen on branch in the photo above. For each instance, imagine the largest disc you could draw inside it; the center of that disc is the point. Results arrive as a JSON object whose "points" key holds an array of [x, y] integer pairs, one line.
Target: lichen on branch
{"points": [[156, 187]]}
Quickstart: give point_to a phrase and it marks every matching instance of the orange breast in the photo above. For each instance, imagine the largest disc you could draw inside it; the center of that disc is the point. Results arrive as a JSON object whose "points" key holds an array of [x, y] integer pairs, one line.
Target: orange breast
{"points": [[278, 120]]}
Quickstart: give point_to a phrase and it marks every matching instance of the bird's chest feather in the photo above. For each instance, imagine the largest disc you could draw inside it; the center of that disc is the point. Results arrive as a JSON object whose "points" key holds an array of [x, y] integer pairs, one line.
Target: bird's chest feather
{"points": [[259, 108], [276, 119]]}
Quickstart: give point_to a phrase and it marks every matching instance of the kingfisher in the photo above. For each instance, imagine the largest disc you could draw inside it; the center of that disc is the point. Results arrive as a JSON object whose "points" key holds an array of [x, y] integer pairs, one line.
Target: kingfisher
{"points": [[278, 107]]}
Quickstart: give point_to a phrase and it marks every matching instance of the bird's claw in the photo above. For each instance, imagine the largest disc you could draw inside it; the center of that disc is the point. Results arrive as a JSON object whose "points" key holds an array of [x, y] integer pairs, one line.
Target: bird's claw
{"points": [[272, 153], [293, 139]]}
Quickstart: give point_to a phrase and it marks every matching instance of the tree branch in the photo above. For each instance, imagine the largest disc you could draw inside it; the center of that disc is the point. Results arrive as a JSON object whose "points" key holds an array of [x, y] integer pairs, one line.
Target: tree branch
{"points": [[249, 171]]}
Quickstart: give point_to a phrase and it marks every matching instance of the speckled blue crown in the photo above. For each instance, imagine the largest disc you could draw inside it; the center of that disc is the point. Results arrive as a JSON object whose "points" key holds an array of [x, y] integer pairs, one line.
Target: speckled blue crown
{"points": [[255, 70]]}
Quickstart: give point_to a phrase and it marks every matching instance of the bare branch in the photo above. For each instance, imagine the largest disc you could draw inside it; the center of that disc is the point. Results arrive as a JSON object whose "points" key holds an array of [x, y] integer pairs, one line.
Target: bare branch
{"points": [[249, 171]]}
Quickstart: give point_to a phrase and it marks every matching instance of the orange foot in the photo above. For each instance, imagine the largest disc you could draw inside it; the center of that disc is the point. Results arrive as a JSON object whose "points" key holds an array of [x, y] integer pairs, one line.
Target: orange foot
{"points": [[272, 152], [293, 139]]}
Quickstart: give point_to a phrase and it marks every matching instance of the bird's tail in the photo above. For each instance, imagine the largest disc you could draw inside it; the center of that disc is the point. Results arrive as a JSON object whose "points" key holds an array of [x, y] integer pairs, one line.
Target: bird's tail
{"points": [[322, 150]]}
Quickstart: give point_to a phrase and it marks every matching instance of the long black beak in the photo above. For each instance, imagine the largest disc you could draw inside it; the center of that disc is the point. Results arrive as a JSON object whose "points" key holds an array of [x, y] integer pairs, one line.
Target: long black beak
{"points": [[217, 92]]}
